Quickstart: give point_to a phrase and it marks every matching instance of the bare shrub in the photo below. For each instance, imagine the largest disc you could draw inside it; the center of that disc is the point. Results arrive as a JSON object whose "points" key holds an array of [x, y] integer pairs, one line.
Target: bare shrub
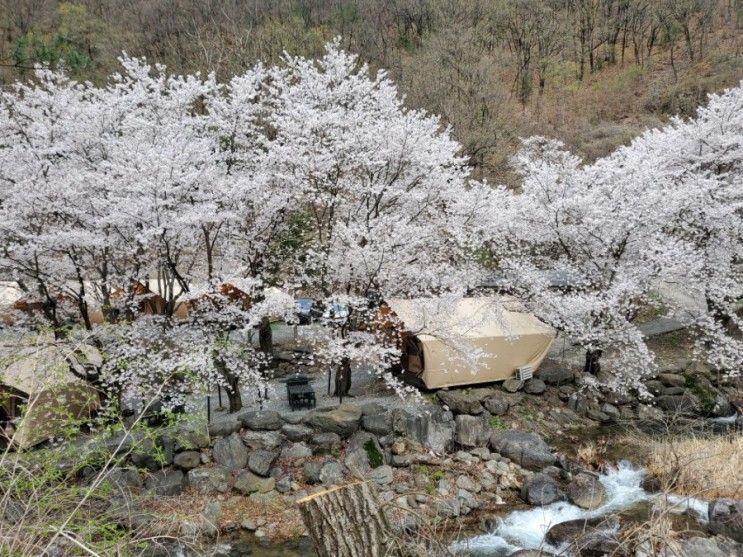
{"points": [[698, 466]]}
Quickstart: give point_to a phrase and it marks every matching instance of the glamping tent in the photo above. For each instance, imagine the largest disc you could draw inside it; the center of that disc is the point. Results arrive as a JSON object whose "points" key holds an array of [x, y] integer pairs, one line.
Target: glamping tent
{"points": [[13, 300], [39, 394], [469, 340]]}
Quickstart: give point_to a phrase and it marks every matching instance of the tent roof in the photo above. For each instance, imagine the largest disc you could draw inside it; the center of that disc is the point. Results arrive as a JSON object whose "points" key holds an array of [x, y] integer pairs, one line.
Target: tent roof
{"points": [[480, 317], [10, 293], [32, 368]]}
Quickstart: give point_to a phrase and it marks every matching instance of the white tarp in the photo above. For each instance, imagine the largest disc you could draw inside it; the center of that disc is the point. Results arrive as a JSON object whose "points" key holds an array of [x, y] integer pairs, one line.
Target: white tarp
{"points": [[53, 395]]}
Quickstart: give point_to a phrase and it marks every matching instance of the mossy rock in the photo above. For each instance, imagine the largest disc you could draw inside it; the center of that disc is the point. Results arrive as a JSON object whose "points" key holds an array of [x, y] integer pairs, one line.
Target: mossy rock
{"points": [[376, 459]]}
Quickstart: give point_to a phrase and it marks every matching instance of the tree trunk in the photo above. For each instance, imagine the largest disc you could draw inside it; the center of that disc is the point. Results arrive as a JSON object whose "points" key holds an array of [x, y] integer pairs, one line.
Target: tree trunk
{"points": [[343, 379], [233, 396], [233, 383], [592, 361], [717, 314], [348, 521], [265, 337]]}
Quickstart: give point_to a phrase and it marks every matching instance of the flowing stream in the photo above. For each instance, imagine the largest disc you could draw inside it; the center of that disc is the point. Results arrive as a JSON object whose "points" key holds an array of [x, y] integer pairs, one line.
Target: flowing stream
{"points": [[526, 529]]}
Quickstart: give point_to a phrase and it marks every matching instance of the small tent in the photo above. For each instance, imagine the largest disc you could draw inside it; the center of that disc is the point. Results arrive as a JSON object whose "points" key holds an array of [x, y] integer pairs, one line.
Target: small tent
{"points": [[39, 393], [449, 342]]}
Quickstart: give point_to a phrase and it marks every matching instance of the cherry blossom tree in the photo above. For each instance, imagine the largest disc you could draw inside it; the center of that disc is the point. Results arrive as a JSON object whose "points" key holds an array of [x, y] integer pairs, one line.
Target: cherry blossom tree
{"points": [[587, 246], [703, 158], [98, 189], [44, 207], [383, 201], [212, 348], [583, 246]]}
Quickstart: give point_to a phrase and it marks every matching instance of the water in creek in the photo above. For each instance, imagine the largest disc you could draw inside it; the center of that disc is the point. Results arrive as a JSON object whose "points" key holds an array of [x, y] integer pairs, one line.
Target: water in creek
{"points": [[526, 529], [236, 547]]}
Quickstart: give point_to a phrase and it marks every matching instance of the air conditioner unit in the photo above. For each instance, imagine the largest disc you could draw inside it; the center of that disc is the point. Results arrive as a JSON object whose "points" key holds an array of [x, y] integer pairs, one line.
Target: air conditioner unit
{"points": [[525, 372]]}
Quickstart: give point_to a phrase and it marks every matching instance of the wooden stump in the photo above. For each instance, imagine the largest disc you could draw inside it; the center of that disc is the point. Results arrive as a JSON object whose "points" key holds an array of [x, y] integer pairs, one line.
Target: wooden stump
{"points": [[347, 521]]}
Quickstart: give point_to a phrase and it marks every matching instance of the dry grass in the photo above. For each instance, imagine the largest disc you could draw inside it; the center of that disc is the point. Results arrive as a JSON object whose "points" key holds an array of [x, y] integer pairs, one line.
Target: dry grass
{"points": [[592, 453], [704, 467], [655, 536]]}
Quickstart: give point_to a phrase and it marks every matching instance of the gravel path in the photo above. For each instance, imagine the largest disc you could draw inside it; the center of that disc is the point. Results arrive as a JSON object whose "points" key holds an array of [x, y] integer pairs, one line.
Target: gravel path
{"points": [[366, 387]]}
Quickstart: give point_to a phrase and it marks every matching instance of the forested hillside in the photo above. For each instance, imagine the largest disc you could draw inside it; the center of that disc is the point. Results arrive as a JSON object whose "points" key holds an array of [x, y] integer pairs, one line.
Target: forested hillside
{"points": [[593, 73]]}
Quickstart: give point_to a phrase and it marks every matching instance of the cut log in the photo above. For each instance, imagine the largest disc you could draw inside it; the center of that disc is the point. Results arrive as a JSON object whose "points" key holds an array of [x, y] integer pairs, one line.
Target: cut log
{"points": [[347, 521]]}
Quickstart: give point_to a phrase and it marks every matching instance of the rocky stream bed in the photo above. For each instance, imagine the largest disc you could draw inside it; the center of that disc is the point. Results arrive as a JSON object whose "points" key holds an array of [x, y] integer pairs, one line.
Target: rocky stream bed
{"points": [[470, 466]]}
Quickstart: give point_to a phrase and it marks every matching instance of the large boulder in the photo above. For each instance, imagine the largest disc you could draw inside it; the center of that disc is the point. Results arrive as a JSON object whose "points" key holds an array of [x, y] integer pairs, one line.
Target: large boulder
{"points": [[187, 460], [524, 448], [447, 507], [586, 491], [672, 380], [148, 455], [262, 420], [610, 410], [296, 451], [585, 533], [540, 489], [209, 479], [470, 431], [711, 547], [292, 418], [719, 407], [261, 461], [498, 403], [297, 432], [327, 442], [363, 453], [382, 475], [247, 483], [432, 427], [372, 409], [726, 518], [343, 420], [462, 401], [378, 424], [224, 428], [153, 452], [166, 482], [713, 401], [230, 452], [512, 385], [331, 473], [535, 386], [262, 439], [555, 373], [679, 404], [191, 436], [125, 478]]}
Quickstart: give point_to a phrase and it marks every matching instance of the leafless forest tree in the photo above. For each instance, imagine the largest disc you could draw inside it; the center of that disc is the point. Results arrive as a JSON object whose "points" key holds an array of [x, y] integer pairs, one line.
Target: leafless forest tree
{"points": [[591, 72]]}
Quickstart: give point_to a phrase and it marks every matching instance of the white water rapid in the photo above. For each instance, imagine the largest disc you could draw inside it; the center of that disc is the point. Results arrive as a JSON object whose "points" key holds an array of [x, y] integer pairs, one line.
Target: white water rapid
{"points": [[526, 529]]}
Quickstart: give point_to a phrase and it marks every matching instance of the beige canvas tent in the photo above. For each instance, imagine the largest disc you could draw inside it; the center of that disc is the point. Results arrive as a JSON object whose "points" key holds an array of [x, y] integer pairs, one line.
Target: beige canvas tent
{"points": [[13, 301], [469, 340], [39, 395]]}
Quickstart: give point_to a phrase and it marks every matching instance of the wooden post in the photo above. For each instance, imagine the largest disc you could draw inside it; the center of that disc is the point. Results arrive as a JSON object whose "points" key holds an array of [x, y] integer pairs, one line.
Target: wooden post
{"points": [[347, 521]]}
